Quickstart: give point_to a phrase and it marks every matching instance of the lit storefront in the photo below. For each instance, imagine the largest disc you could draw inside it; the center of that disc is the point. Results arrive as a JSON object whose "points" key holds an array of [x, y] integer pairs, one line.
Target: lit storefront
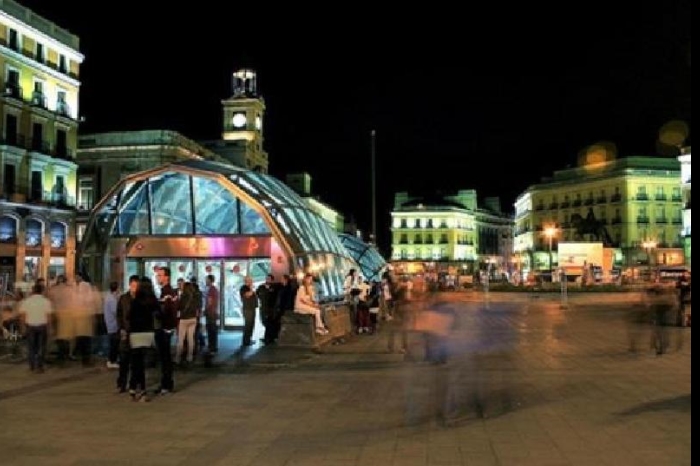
{"points": [[201, 218]]}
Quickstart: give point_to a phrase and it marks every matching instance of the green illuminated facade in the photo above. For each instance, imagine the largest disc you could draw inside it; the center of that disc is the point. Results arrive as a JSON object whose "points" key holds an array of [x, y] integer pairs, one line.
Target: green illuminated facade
{"points": [[635, 198]]}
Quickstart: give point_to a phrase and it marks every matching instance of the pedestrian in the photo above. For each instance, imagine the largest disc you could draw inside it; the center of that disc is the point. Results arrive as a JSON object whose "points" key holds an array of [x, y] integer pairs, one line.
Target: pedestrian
{"points": [[123, 317], [249, 301], [267, 295], [35, 312], [140, 327], [211, 315], [109, 312], [165, 322]]}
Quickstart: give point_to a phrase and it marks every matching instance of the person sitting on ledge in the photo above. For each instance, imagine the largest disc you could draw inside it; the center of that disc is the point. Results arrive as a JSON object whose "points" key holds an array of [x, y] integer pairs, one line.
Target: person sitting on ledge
{"points": [[305, 303]]}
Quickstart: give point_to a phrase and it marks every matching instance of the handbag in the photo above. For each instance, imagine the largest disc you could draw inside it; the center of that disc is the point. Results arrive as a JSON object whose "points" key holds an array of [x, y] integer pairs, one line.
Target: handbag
{"points": [[141, 339]]}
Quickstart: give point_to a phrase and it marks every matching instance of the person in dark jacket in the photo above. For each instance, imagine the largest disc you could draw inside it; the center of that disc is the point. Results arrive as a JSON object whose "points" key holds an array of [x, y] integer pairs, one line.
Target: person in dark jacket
{"points": [[139, 325], [250, 302], [165, 321], [267, 295], [123, 312], [286, 295]]}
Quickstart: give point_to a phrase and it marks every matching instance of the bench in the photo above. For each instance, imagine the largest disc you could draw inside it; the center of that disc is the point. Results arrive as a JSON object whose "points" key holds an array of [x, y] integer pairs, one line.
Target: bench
{"points": [[299, 330]]}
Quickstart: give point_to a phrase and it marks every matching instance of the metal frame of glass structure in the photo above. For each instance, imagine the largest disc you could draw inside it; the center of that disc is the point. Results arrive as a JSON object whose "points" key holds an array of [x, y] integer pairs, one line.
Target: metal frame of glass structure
{"points": [[200, 198], [371, 263]]}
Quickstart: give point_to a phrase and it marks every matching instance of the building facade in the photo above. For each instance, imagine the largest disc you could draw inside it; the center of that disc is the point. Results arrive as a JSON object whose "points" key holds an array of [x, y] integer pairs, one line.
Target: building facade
{"points": [[620, 202], [301, 184], [242, 138], [40, 65], [105, 158], [684, 159], [448, 234]]}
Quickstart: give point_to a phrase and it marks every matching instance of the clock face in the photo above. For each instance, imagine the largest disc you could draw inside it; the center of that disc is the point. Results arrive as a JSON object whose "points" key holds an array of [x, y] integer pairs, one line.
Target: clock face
{"points": [[258, 123], [239, 120]]}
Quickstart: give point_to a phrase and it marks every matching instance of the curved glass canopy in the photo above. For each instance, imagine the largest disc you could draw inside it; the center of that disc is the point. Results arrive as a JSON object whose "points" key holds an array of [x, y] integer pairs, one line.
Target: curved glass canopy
{"points": [[371, 263], [212, 199]]}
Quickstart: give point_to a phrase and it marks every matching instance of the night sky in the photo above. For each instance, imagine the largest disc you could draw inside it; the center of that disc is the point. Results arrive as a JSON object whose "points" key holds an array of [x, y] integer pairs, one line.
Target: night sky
{"points": [[490, 99]]}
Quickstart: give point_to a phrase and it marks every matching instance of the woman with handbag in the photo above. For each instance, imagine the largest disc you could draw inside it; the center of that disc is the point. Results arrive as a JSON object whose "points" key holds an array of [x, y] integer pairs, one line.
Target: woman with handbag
{"points": [[140, 330]]}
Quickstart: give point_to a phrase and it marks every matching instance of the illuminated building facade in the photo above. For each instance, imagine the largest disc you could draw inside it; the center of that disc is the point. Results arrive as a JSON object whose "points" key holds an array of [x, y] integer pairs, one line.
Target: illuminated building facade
{"points": [[448, 233], [301, 184], [199, 218], [40, 65], [684, 159], [630, 200], [242, 139], [105, 158]]}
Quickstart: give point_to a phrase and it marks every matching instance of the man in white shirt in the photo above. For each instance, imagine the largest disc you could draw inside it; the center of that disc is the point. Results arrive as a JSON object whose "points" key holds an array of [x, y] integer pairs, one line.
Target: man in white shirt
{"points": [[35, 311]]}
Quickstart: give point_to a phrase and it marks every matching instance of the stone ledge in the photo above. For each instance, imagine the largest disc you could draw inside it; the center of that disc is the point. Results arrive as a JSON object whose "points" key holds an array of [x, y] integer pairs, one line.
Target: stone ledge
{"points": [[299, 330]]}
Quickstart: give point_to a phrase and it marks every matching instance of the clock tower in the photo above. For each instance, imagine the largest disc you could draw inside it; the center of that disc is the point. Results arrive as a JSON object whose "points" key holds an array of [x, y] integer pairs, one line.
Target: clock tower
{"points": [[243, 114]]}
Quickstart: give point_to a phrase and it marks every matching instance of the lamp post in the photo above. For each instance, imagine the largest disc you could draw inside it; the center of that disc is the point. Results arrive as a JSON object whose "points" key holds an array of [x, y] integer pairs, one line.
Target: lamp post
{"points": [[649, 246], [550, 232]]}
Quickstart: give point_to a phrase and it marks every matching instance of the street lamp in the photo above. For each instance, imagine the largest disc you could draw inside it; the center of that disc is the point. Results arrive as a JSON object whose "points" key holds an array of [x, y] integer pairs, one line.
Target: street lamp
{"points": [[648, 246], [550, 232]]}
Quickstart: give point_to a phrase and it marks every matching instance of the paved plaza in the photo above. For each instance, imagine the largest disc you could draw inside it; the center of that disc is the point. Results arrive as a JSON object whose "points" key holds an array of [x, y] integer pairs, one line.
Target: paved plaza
{"points": [[526, 383]]}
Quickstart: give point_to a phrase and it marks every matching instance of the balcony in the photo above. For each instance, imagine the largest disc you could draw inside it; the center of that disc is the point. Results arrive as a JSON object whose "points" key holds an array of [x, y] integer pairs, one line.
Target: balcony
{"points": [[589, 201], [565, 205], [553, 206], [539, 207], [677, 221], [63, 109], [601, 200], [641, 219], [577, 203], [616, 221], [16, 140], [642, 197], [13, 90], [660, 197], [39, 99], [661, 220], [616, 198], [63, 152], [39, 145], [677, 199]]}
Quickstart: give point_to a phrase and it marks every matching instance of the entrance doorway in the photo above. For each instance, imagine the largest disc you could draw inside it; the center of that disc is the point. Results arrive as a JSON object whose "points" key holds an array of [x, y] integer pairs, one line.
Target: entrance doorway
{"points": [[229, 275]]}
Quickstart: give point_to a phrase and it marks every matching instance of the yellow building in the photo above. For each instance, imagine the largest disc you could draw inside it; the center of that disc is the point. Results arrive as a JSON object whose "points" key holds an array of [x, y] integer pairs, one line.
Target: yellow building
{"points": [[448, 233], [39, 110], [621, 202]]}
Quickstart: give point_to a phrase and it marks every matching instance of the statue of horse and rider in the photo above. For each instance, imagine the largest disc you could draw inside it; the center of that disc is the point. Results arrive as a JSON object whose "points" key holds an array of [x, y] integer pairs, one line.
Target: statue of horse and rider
{"points": [[590, 226]]}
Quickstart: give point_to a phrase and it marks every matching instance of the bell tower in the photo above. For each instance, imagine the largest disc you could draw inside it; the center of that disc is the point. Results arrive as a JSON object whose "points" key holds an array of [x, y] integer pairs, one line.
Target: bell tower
{"points": [[243, 115]]}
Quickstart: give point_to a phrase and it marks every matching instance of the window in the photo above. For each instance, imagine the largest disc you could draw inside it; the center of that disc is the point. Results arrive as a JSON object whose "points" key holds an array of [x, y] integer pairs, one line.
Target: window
{"points": [[14, 40], [58, 235], [12, 87], [85, 194], [37, 136], [40, 53], [61, 143], [642, 212], [34, 233], [62, 64], [676, 193], [38, 96], [8, 229], [37, 193], [60, 193], [10, 179], [11, 129], [61, 104]]}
